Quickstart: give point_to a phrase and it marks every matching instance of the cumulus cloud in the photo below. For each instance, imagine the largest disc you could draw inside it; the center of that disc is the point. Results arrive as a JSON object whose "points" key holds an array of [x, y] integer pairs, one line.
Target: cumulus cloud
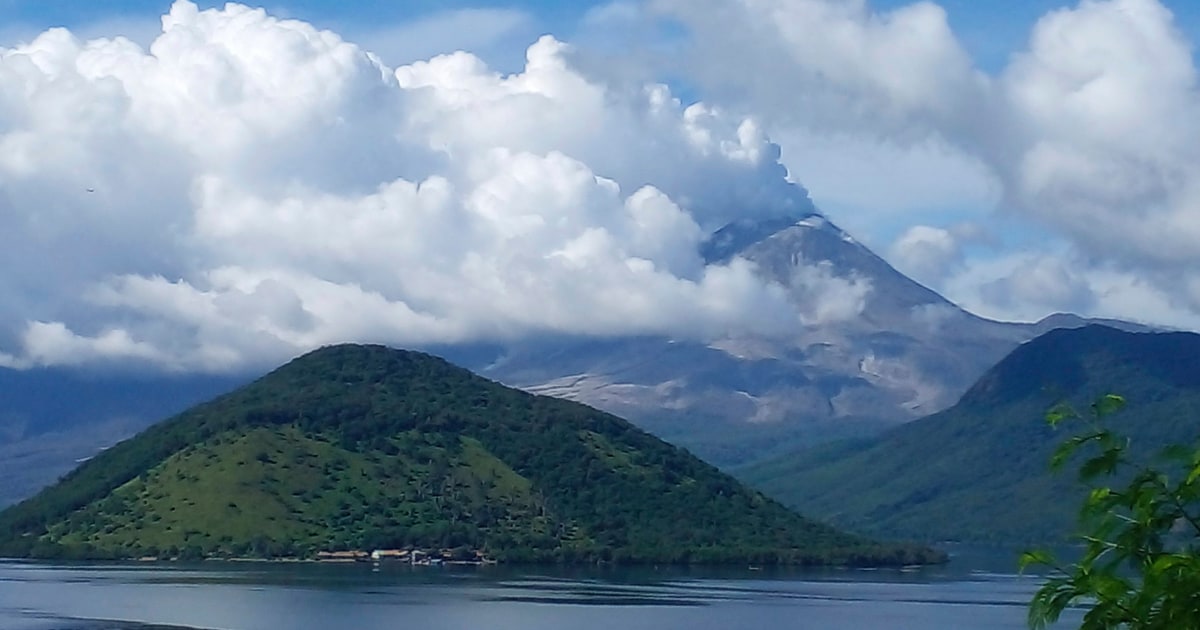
{"points": [[869, 181], [928, 254], [868, 105], [1106, 132], [248, 187], [51, 343], [831, 62], [823, 297], [1092, 131], [1040, 282], [1025, 286], [238, 186]]}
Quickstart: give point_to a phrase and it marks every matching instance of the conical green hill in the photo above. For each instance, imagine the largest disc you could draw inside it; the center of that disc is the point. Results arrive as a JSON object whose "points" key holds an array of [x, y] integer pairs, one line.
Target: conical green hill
{"points": [[364, 447]]}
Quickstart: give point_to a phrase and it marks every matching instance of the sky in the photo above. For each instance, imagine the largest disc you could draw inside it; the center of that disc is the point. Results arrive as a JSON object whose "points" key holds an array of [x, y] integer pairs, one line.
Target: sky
{"points": [[205, 186]]}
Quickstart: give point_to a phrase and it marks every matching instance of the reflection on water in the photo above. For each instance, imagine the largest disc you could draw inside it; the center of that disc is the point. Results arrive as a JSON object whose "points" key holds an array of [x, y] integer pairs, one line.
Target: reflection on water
{"points": [[978, 591]]}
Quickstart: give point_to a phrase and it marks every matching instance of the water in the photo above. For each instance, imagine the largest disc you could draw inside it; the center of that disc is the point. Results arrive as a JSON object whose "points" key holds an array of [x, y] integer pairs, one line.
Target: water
{"points": [[969, 593]]}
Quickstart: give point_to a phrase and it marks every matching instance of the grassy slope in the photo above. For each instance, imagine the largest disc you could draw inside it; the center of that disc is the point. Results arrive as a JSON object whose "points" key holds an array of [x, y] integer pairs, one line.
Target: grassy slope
{"points": [[978, 471], [275, 489], [354, 446]]}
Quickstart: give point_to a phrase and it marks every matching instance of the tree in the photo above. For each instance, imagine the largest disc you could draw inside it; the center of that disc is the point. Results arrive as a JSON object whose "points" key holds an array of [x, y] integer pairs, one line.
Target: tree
{"points": [[1140, 568]]}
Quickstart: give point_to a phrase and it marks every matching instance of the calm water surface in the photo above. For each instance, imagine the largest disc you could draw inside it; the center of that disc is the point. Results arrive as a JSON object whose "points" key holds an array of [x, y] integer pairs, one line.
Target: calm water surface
{"points": [[978, 590]]}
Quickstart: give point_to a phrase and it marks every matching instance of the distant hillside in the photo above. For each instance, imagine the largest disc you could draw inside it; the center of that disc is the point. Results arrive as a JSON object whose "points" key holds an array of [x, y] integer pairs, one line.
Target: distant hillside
{"points": [[978, 471], [360, 447]]}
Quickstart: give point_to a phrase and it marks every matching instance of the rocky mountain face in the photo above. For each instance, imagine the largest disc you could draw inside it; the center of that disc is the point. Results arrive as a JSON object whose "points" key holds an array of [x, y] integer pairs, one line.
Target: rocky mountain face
{"points": [[897, 352]]}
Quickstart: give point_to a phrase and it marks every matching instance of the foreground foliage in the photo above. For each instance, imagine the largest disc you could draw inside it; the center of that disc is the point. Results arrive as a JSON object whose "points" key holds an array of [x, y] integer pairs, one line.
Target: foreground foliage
{"points": [[1140, 568], [361, 447]]}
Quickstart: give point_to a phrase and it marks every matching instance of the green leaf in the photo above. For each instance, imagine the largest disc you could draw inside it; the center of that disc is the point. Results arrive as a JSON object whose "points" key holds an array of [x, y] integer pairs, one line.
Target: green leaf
{"points": [[1035, 557], [1107, 405], [1164, 563], [1177, 452], [1103, 464], [1060, 412], [1193, 475], [1068, 448], [1098, 496]]}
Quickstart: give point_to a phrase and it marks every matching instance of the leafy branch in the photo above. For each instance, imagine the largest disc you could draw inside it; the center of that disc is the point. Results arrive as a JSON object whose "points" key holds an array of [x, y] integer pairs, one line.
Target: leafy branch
{"points": [[1140, 568]]}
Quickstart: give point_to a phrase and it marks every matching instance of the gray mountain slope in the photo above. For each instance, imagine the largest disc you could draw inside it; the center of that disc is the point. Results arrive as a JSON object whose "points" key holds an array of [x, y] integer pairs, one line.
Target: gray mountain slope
{"points": [[907, 352]]}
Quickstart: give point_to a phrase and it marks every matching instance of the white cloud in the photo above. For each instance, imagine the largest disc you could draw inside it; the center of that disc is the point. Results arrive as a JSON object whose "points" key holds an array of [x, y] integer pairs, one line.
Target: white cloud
{"points": [[1021, 286], [1040, 282], [1092, 132], [1024, 286], [245, 187], [865, 104], [51, 343], [927, 254], [833, 65], [872, 182], [249, 187], [824, 298], [1104, 136]]}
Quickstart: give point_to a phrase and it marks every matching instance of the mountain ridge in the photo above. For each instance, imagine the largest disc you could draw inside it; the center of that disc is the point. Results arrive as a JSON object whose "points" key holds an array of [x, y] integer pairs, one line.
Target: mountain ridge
{"points": [[746, 398], [978, 471]]}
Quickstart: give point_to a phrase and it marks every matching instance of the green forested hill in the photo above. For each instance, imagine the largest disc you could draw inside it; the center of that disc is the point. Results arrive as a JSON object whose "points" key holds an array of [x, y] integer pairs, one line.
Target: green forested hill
{"points": [[978, 471], [360, 447]]}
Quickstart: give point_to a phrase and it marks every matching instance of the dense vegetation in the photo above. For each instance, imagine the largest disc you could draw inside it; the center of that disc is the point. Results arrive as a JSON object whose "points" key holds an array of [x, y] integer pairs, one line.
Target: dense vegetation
{"points": [[360, 447], [977, 471], [1140, 566]]}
